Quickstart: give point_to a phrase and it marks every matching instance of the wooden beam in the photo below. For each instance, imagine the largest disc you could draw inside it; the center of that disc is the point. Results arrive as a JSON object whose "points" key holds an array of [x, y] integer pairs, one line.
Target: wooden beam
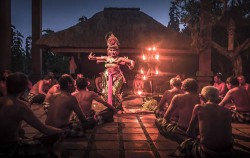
{"points": [[122, 50]]}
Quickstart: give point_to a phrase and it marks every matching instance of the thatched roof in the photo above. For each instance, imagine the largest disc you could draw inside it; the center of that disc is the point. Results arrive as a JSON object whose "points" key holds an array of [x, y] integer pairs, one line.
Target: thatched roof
{"points": [[134, 29]]}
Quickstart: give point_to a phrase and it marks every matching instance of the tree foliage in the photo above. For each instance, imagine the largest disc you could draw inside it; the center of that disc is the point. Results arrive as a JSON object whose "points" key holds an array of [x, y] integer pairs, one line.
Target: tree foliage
{"points": [[17, 52], [190, 16], [174, 16], [22, 59]]}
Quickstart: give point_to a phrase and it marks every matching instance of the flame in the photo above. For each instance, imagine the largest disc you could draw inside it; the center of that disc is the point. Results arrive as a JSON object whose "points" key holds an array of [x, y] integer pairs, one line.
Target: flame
{"points": [[156, 72], [142, 72], [139, 92], [157, 56], [144, 77], [144, 57]]}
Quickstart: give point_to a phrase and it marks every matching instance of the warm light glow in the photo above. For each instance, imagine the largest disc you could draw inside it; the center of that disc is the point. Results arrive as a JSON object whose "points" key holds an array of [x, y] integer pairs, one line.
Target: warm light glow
{"points": [[154, 48], [139, 92], [144, 77], [156, 72], [144, 57], [157, 56], [142, 72], [94, 105]]}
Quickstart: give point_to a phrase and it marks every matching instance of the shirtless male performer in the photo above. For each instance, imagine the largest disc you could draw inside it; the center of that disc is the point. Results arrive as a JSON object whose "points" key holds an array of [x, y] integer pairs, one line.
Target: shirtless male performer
{"points": [[181, 105], [238, 96], [62, 105], [175, 85], [12, 112], [215, 130], [85, 98]]}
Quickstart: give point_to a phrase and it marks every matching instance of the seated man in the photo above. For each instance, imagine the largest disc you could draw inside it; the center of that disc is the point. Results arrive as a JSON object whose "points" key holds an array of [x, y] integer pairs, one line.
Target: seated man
{"points": [[214, 121], [181, 105], [53, 90], [238, 96], [62, 105], [242, 83], [37, 93], [220, 85], [175, 85], [85, 98], [12, 112]]}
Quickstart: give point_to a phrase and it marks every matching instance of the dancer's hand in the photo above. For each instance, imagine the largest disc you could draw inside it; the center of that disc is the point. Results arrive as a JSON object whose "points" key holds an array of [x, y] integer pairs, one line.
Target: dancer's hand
{"points": [[91, 57]]}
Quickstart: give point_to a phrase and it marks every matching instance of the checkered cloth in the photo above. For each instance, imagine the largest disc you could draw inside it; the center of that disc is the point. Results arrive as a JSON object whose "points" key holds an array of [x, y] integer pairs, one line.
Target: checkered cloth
{"points": [[75, 129], [170, 130], [240, 116], [30, 97], [45, 106], [192, 148]]}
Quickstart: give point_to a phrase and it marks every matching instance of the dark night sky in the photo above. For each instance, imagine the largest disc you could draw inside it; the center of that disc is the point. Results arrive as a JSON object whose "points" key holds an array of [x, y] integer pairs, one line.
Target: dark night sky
{"points": [[61, 14]]}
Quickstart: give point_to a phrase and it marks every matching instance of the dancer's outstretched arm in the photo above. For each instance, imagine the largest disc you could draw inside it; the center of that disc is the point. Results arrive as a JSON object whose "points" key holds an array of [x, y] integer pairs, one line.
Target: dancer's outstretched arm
{"points": [[98, 59]]}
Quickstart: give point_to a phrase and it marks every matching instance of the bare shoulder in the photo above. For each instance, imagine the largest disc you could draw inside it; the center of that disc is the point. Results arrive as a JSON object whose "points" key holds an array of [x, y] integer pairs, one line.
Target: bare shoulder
{"points": [[198, 107]]}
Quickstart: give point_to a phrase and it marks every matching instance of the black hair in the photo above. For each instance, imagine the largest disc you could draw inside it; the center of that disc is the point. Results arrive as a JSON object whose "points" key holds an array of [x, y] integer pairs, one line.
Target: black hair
{"points": [[232, 80], [81, 83], [16, 83], [64, 81], [219, 75], [47, 77], [190, 85]]}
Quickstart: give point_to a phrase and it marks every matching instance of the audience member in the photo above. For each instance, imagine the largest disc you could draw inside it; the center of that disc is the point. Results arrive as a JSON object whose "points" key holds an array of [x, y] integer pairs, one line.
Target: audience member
{"points": [[37, 93], [138, 84], [53, 90], [238, 96], [175, 85], [215, 130], [85, 98], [12, 112], [242, 82], [181, 105], [220, 85], [62, 104]]}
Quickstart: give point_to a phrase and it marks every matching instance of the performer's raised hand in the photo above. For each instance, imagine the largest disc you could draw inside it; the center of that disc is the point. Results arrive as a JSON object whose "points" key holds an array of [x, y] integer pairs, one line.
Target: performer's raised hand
{"points": [[91, 57]]}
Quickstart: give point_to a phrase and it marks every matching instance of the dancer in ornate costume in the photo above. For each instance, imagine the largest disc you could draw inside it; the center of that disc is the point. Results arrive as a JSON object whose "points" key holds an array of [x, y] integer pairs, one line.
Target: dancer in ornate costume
{"points": [[113, 78]]}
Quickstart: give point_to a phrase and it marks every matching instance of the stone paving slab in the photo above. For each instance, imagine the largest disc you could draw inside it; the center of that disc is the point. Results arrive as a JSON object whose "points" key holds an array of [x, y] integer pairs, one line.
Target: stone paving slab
{"points": [[132, 135]]}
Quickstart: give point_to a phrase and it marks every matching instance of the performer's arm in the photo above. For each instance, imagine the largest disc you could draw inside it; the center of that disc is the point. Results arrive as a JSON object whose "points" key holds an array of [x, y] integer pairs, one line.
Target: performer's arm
{"points": [[98, 59], [130, 63]]}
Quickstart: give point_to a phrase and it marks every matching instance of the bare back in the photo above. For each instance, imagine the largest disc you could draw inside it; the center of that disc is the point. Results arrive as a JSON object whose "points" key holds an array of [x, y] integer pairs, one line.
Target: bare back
{"points": [[85, 99], [215, 127], [12, 112], [239, 97], [61, 107], [183, 105]]}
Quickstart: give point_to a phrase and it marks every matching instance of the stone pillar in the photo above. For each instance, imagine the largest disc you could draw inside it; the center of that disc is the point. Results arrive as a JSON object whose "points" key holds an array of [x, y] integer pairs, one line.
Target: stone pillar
{"points": [[36, 53], [204, 75], [5, 35]]}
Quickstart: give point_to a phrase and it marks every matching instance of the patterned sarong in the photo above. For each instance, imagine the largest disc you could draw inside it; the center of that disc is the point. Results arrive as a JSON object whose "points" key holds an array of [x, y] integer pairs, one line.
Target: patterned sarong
{"points": [[45, 106], [171, 130], [30, 97], [192, 148], [73, 130], [240, 116]]}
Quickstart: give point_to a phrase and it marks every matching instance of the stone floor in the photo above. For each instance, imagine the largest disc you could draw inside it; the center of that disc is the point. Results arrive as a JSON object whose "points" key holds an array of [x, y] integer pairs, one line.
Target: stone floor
{"points": [[132, 134]]}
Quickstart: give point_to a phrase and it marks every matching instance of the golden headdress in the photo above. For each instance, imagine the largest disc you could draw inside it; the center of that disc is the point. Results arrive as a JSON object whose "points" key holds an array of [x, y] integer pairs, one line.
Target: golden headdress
{"points": [[112, 41]]}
